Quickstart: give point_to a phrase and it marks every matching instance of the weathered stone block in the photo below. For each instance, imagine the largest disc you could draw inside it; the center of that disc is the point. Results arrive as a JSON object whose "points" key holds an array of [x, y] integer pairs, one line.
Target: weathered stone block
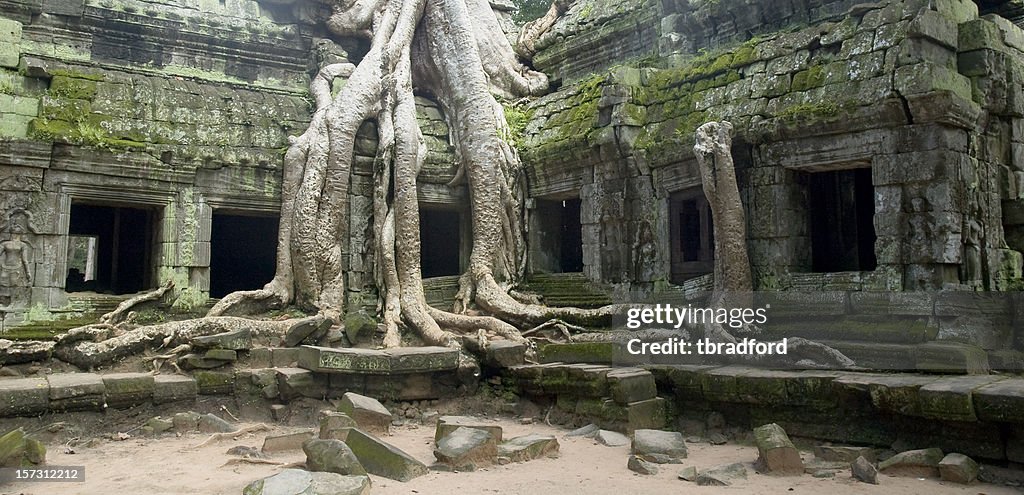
{"points": [[331, 456], [448, 424], [284, 357], [128, 389], [293, 383], [913, 463], [171, 388], [581, 352], [864, 471], [76, 392], [629, 385], [657, 442], [24, 396], [839, 453], [951, 398], [383, 459], [335, 425], [214, 382], [1002, 401], [505, 353], [528, 447], [211, 423], [775, 452], [422, 359], [466, 449], [288, 441], [958, 468], [367, 412], [302, 482]]}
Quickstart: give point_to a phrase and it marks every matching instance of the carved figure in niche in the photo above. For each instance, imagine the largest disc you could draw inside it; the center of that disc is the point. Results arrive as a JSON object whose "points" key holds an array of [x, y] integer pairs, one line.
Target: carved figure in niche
{"points": [[16, 252]]}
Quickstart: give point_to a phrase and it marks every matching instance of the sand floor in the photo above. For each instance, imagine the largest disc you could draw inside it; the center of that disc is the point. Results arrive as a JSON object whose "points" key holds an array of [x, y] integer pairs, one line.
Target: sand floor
{"points": [[169, 465]]}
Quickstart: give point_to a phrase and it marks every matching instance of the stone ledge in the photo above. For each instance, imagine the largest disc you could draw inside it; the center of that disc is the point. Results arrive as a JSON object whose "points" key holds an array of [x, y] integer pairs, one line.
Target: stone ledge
{"points": [[378, 362]]}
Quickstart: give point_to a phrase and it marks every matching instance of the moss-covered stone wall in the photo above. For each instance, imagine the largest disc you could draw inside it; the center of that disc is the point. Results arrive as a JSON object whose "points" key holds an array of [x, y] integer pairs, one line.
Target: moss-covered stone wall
{"points": [[922, 93]]}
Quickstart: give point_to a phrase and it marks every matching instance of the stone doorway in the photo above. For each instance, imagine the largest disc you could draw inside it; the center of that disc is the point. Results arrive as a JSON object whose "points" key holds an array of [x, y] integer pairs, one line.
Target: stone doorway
{"points": [[841, 210], [243, 252], [692, 235], [440, 242], [557, 242], [110, 248]]}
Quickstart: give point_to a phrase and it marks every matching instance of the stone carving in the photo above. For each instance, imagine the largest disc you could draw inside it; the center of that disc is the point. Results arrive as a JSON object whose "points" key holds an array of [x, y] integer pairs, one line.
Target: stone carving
{"points": [[16, 258]]}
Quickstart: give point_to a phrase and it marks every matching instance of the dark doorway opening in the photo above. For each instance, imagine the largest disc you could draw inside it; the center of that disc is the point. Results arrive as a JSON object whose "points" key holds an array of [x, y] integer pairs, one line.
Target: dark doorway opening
{"points": [[692, 234], [110, 249], [440, 241], [559, 236], [841, 216], [243, 252]]}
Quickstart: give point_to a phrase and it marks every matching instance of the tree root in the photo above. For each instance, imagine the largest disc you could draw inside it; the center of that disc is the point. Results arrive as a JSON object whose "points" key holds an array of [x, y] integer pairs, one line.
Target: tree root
{"points": [[121, 312], [216, 437]]}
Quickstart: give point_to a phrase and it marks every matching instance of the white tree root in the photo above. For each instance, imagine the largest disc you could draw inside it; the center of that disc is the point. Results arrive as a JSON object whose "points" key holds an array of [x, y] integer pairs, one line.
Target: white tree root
{"points": [[119, 314]]}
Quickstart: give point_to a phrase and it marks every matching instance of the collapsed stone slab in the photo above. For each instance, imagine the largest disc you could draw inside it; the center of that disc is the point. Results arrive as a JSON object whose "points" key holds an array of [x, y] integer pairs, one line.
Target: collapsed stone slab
{"points": [[528, 447], [913, 463], [332, 456], [958, 468], [775, 452], [335, 425], [448, 424], [467, 449], [658, 446], [383, 459], [367, 412], [721, 475], [300, 482], [864, 471]]}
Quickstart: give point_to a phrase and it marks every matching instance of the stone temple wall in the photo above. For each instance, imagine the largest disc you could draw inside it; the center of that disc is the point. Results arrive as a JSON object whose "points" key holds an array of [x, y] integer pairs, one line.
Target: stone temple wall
{"points": [[181, 108], [916, 101], [178, 108]]}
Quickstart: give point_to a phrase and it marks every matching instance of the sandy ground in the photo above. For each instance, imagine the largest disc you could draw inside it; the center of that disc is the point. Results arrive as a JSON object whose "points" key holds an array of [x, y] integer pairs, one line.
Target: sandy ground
{"points": [[170, 465]]}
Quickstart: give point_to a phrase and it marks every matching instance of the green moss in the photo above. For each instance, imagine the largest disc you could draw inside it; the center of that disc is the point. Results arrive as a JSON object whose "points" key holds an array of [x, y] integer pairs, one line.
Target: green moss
{"points": [[72, 88], [517, 117], [813, 77], [807, 111]]}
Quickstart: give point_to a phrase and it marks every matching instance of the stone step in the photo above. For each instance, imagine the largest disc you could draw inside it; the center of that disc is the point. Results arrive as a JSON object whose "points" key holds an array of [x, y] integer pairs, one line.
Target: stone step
{"points": [[378, 362]]}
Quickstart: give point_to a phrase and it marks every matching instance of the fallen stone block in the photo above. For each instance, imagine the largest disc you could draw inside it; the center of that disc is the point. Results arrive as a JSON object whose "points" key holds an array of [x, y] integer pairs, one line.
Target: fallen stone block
{"points": [[864, 471], [367, 412], [308, 330], [840, 453], [211, 423], [383, 459], [688, 473], [284, 357], [958, 468], [775, 452], [18, 450], [657, 443], [331, 456], [448, 424], [611, 438], [301, 482], [237, 340], [467, 449], [638, 465], [24, 396], [123, 390], [76, 392], [335, 425], [722, 475], [528, 447], [921, 463], [285, 442], [172, 388], [589, 431]]}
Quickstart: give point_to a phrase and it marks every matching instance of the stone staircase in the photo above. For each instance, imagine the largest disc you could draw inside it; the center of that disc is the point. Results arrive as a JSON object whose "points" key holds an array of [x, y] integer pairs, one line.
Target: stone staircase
{"points": [[568, 289]]}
